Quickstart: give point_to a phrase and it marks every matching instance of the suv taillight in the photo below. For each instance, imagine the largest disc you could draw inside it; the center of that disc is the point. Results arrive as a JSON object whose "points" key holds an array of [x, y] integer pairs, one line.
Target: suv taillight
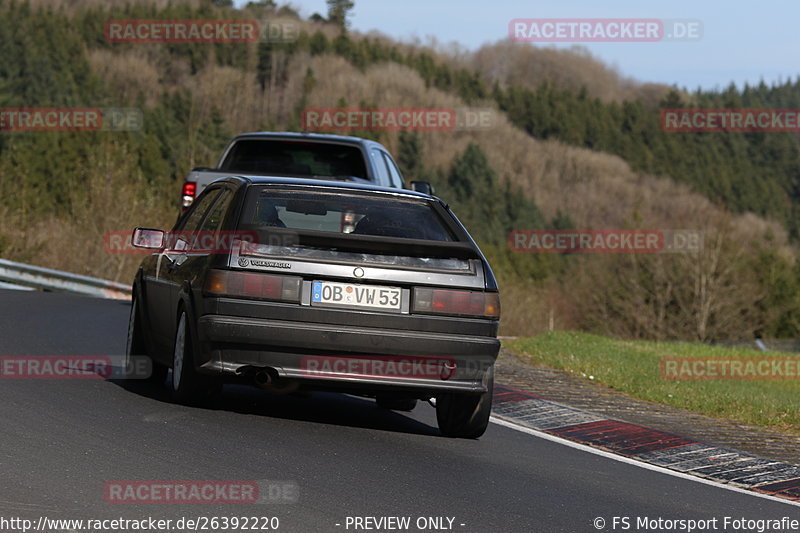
{"points": [[450, 302], [252, 285], [189, 190]]}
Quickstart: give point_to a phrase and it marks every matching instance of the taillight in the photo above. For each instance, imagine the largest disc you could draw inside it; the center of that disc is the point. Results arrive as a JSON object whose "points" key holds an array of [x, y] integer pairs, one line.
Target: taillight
{"points": [[450, 302], [189, 190], [252, 285]]}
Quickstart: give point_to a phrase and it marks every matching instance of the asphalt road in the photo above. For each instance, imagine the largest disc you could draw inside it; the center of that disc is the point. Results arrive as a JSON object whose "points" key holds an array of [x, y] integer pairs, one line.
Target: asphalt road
{"points": [[62, 440]]}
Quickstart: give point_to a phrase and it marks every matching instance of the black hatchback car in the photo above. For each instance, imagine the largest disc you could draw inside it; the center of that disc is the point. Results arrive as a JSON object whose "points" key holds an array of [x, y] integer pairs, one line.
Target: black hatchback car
{"points": [[297, 284]]}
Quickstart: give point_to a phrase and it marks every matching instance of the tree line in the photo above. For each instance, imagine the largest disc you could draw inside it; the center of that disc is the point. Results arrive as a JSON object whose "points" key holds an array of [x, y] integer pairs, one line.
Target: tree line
{"points": [[44, 62]]}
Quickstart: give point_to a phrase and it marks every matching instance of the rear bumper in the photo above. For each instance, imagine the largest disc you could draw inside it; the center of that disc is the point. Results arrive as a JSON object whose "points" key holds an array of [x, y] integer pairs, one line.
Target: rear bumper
{"points": [[335, 353], [304, 335]]}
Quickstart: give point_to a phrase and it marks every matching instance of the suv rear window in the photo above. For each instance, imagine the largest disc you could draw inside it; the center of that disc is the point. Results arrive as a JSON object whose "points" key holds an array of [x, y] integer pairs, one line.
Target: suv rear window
{"points": [[295, 158], [343, 213]]}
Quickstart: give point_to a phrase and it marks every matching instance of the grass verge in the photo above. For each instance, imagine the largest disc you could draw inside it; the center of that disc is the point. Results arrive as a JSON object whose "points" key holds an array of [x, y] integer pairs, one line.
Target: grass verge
{"points": [[635, 368]]}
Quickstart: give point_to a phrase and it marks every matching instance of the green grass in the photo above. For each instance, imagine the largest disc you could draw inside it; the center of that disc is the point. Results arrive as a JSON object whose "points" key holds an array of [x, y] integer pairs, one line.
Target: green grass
{"points": [[634, 367]]}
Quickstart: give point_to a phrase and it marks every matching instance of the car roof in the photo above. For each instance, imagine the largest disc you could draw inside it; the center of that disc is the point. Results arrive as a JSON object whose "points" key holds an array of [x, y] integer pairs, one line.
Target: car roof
{"points": [[307, 136], [324, 184]]}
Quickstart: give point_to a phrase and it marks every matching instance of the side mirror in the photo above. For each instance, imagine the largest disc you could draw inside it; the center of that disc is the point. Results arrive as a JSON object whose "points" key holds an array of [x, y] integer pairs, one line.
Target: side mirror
{"points": [[422, 186], [151, 239]]}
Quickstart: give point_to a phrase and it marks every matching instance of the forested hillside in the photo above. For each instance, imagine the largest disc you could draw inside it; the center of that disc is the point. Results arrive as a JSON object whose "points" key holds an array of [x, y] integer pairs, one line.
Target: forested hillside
{"points": [[573, 145]]}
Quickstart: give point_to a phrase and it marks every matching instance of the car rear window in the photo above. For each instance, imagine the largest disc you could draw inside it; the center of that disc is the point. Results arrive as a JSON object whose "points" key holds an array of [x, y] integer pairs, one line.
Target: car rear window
{"points": [[295, 158], [344, 213]]}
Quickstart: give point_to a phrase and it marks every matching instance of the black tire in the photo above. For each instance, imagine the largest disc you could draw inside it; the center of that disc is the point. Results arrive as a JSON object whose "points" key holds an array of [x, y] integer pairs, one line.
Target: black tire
{"points": [[395, 403], [465, 416], [137, 347], [187, 385]]}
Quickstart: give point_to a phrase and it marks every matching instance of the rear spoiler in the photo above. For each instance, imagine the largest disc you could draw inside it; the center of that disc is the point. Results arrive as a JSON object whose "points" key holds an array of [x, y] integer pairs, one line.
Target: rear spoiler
{"points": [[348, 242]]}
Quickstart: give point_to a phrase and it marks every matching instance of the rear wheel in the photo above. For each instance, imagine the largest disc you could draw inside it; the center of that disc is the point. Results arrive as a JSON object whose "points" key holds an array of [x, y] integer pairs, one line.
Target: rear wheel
{"points": [[188, 385], [136, 347], [395, 403], [465, 415]]}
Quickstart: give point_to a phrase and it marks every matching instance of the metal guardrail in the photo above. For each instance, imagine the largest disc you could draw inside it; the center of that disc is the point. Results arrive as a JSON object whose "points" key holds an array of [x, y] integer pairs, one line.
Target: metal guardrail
{"points": [[4, 285], [772, 345], [22, 275]]}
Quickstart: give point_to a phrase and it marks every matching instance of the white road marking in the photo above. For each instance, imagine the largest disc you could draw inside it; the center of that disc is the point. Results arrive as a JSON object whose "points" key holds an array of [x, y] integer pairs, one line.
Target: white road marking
{"points": [[622, 459]]}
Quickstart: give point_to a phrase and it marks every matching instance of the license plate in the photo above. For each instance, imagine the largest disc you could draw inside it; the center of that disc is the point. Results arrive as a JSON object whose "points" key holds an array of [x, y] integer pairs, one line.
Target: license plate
{"points": [[353, 295]]}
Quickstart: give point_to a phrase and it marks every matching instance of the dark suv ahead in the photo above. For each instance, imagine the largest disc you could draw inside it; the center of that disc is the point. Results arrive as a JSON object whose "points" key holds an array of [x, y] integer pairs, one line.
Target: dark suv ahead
{"points": [[308, 284]]}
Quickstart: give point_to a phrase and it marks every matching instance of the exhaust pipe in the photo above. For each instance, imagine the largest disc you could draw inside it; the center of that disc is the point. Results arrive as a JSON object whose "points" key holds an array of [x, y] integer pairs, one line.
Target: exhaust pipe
{"points": [[269, 380], [263, 378]]}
